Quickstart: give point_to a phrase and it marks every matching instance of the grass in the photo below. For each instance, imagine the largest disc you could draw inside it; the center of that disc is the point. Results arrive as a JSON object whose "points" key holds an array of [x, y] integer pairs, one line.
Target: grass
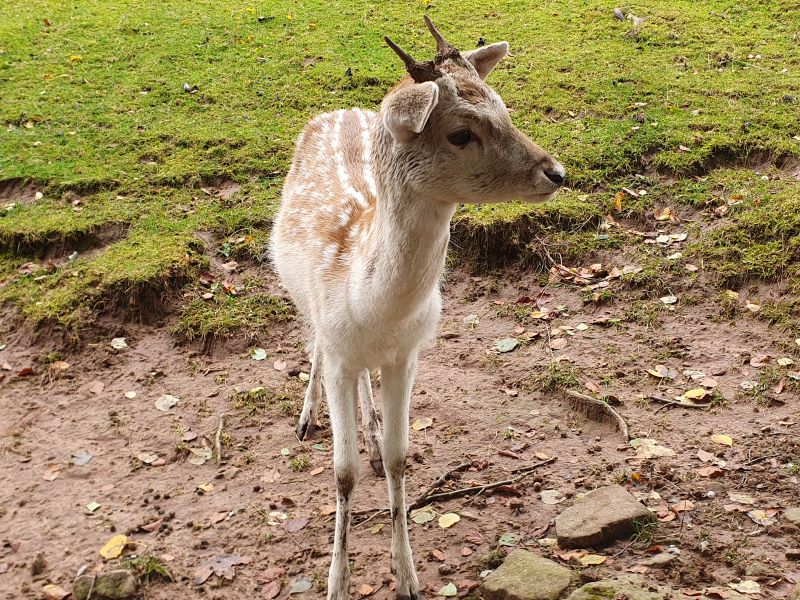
{"points": [[224, 314], [94, 112]]}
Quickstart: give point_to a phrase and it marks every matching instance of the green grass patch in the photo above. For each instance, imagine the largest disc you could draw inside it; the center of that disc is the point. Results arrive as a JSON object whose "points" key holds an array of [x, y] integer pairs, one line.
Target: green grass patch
{"points": [[224, 315]]}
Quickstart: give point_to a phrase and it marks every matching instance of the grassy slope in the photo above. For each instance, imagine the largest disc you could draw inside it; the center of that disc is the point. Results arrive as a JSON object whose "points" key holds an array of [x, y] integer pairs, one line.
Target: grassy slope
{"points": [[92, 100]]}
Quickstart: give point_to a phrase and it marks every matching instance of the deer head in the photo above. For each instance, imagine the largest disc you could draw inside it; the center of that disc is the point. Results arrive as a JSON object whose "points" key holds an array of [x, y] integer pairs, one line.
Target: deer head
{"points": [[454, 136]]}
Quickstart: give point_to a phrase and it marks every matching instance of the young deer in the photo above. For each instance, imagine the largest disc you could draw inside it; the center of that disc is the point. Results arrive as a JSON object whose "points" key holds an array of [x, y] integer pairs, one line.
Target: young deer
{"points": [[360, 243]]}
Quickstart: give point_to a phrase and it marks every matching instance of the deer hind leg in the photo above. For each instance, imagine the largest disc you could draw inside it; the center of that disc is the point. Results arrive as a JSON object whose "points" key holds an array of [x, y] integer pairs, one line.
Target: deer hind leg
{"points": [[396, 383], [309, 417], [341, 387], [370, 423]]}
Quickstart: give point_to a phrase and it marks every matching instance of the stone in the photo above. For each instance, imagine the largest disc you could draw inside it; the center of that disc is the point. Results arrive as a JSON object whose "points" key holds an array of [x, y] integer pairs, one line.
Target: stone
{"points": [[793, 554], [662, 559], [39, 565], [793, 515], [628, 587], [526, 576], [599, 517], [111, 585]]}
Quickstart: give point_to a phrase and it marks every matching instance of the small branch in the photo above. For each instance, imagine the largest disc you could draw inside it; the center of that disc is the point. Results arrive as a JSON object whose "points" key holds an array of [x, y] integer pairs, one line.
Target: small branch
{"points": [[218, 439], [667, 403], [587, 402], [439, 483], [428, 498]]}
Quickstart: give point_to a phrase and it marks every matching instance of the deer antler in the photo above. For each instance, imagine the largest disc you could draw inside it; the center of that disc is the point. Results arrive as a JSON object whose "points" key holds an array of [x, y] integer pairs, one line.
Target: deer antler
{"points": [[419, 71], [444, 49]]}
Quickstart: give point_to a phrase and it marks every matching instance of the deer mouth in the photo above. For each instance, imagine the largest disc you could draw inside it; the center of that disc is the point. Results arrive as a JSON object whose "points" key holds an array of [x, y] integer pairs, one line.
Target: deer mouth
{"points": [[538, 197]]}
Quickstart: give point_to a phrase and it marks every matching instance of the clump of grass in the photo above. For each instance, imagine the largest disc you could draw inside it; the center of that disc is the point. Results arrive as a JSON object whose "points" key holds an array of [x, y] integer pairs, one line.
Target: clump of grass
{"points": [[147, 568], [224, 314], [643, 312], [557, 375], [299, 463], [259, 399]]}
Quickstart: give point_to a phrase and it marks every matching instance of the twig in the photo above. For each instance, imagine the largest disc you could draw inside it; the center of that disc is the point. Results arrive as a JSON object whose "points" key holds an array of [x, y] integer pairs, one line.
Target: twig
{"points": [[759, 459], [218, 439], [428, 498], [604, 407], [91, 587], [439, 483], [668, 403], [523, 473]]}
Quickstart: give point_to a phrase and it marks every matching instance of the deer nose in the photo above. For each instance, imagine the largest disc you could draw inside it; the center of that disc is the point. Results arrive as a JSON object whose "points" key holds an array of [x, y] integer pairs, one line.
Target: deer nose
{"points": [[555, 174]]}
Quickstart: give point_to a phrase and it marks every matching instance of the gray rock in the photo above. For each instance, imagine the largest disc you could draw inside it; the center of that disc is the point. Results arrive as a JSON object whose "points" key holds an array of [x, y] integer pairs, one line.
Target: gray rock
{"points": [[628, 587], [111, 585], [793, 514], [601, 516], [526, 576], [661, 559]]}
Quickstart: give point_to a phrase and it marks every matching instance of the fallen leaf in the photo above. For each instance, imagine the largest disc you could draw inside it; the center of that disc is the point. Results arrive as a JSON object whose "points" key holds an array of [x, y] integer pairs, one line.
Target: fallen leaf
{"points": [[271, 590], [376, 529], [279, 365], [165, 402], [721, 438], [299, 586], [763, 517], [422, 516], [741, 498], [93, 506], [365, 590], [218, 517], [592, 559], [509, 539], [222, 566], [206, 487], [448, 520], [558, 343], [438, 555], [81, 457], [694, 394], [753, 307], [466, 551], [59, 365], [147, 457], [746, 587], [785, 361], [760, 360], [668, 299], [710, 472], [119, 343], [551, 497], [650, 448], [328, 509], [52, 471], [422, 423], [54, 592], [130, 395], [296, 525], [449, 590], [506, 344], [96, 387], [113, 548], [663, 372], [682, 506], [200, 455], [258, 354]]}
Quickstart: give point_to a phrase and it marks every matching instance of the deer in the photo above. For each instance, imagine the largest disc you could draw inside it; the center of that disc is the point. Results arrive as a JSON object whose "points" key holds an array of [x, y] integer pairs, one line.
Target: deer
{"points": [[359, 243]]}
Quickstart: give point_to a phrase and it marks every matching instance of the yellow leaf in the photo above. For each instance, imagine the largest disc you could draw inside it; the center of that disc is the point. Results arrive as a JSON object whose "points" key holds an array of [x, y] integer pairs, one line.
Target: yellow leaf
{"points": [[618, 201], [75, 58], [422, 423], [114, 547], [723, 439], [695, 394], [448, 520], [206, 487], [592, 559]]}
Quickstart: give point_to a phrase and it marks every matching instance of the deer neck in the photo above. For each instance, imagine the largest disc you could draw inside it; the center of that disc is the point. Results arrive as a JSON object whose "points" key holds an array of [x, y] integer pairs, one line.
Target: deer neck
{"points": [[410, 232]]}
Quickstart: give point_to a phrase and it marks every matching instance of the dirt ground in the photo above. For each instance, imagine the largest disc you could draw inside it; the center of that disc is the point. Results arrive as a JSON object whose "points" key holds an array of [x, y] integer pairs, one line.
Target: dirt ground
{"points": [[269, 502]]}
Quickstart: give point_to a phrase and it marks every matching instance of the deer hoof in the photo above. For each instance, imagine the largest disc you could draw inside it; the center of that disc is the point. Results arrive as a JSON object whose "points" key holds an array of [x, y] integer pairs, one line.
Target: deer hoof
{"points": [[377, 466], [304, 430]]}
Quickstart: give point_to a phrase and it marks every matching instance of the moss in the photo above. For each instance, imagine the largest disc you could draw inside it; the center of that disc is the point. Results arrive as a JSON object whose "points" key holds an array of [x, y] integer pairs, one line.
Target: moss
{"points": [[224, 314]]}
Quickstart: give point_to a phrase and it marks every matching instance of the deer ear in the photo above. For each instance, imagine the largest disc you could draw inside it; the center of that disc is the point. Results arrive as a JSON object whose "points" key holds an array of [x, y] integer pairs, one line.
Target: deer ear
{"points": [[406, 111], [486, 58]]}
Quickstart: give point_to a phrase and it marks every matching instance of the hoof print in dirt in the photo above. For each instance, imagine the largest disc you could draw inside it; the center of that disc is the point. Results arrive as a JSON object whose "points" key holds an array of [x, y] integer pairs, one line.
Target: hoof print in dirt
{"points": [[111, 585], [526, 576], [600, 517]]}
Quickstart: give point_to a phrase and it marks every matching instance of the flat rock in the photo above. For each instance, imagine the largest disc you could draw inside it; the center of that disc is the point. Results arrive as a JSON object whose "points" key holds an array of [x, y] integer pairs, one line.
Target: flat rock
{"points": [[526, 576], [793, 514], [599, 517], [628, 587], [111, 585]]}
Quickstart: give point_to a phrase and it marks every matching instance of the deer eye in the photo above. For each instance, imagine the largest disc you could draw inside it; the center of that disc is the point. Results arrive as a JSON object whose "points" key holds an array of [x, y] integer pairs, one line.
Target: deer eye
{"points": [[460, 137]]}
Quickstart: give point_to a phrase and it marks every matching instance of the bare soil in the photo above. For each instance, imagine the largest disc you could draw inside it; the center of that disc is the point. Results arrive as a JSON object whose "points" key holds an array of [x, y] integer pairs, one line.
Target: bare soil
{"points": [[485, 405]]}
